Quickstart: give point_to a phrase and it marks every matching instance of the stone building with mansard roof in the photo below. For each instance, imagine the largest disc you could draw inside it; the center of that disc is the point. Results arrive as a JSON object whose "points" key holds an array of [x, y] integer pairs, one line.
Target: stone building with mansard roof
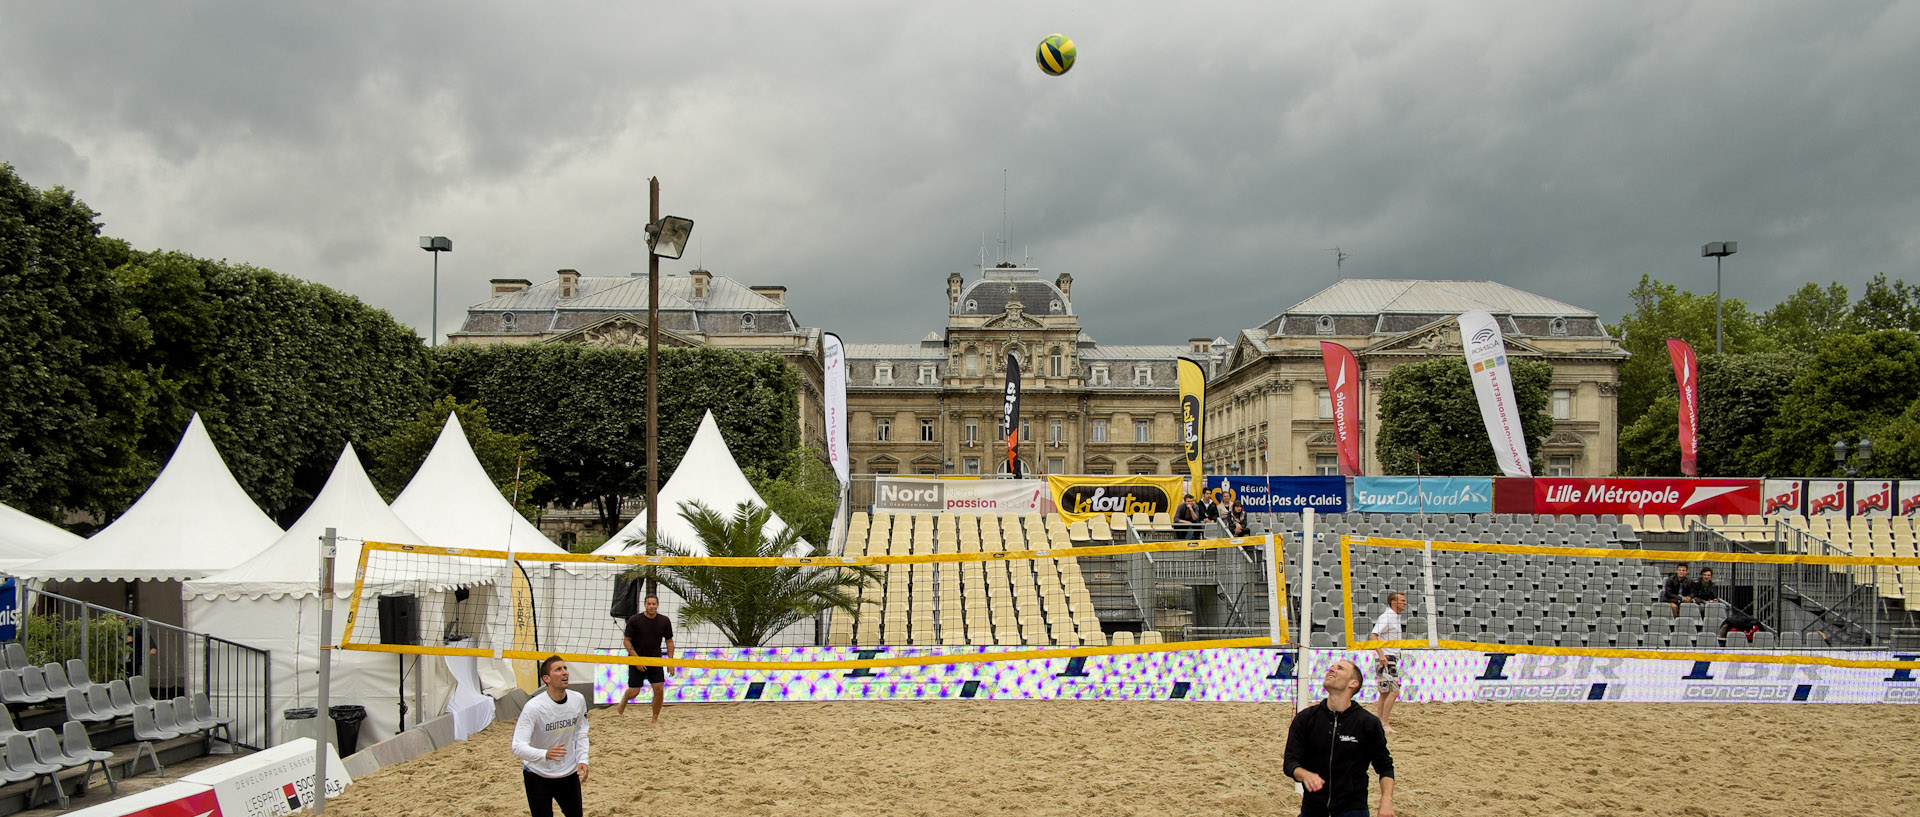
{"points": [[1268, 408]]}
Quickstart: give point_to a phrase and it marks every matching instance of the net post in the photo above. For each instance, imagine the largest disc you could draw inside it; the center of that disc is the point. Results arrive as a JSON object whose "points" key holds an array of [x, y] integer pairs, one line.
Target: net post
{"points": [[1433, 621], [1306, 608], [329, 544], [1276, 604], [1346, 592]]}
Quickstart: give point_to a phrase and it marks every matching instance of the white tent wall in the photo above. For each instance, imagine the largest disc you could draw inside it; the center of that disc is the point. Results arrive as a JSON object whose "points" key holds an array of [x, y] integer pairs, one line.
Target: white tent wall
{"points": [[288, 628]]}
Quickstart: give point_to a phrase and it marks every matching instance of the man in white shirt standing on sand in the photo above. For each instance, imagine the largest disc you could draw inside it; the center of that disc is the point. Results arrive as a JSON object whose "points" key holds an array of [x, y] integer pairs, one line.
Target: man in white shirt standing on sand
{"points": [[551, 741], [1386, 661]]}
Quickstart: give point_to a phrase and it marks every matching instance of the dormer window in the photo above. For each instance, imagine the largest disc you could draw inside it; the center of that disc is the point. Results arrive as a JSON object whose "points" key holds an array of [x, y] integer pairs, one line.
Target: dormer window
{"points": [[929, 376], [1054, 307], [883, 374], [1323, 325], [1099, 376], [1143, 375], [973, 305], [746, 321], [1557, 327], [508, 322]]}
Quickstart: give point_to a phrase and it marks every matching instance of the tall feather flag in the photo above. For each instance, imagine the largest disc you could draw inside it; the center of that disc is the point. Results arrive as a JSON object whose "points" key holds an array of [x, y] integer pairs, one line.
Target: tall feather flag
{"points": [[1486, 352], [1343, 390], [1193, 417], [1686, 373], [1010, 414]]}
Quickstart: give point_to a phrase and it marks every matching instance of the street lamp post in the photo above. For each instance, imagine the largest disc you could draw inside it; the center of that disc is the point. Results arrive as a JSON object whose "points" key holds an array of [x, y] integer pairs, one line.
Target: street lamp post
{"points": [[666, 238], [1718, 251], [1862, 456], [436, 244]]}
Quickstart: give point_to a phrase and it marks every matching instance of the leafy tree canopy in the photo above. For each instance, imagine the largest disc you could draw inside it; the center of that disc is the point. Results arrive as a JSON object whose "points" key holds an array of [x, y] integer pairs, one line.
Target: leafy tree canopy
{"points": [[806, 495], [397, 456], [1428, 411], [1662, 311]]}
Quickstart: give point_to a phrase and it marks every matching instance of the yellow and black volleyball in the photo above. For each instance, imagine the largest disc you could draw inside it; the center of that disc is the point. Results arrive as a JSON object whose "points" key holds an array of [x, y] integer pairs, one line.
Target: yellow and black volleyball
{"points": [[1055, 55]]}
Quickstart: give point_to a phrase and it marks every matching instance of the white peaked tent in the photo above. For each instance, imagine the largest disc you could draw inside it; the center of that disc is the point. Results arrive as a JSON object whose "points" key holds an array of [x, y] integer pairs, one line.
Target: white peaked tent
{"points": [[194, 521], [272, 601], [707, 474], [452, 503], [25, 538]]}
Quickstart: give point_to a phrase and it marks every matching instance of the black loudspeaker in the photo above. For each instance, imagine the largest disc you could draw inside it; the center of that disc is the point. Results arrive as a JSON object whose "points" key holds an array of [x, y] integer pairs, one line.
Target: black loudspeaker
{"points": [[399, 620]]}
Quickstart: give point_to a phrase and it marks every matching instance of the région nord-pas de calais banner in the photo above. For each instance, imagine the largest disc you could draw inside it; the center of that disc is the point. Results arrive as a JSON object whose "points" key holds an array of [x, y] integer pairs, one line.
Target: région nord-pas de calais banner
{"points": [[1283, 494], [911, 494], [1081, 498], [1679, 497], [1423, 494]]}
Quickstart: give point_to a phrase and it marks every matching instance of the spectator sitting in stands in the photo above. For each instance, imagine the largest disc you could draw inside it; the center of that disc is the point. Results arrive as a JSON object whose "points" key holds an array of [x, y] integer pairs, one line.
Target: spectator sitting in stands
{"points": [[1705, 590], [1678, 588], [1188, 518], [1739, 622], [1236, 520], [1210, 505]]}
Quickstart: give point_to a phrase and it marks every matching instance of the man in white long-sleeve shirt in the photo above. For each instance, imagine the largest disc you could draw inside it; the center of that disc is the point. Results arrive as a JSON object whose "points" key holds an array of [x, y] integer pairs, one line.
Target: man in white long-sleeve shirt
{"points": [[551, 741]]}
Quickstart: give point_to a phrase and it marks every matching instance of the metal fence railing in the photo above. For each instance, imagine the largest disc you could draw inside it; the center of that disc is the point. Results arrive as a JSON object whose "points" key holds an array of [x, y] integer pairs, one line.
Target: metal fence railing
{"points": [[116, 645]]}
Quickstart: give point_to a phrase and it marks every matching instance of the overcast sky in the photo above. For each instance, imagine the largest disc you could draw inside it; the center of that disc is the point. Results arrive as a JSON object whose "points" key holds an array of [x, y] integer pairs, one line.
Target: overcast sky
{"points": [[1191, 172]]}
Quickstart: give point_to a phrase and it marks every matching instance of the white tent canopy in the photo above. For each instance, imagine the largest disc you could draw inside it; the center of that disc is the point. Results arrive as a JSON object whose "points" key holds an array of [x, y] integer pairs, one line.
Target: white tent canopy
{"points": [[272, 602], [194, 521], [453, 503], [707, 474], [25, 538]]}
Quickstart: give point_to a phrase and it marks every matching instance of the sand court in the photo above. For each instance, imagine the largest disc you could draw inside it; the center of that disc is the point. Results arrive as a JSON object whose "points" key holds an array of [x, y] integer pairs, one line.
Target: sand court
{"points": [[1108, 758]]}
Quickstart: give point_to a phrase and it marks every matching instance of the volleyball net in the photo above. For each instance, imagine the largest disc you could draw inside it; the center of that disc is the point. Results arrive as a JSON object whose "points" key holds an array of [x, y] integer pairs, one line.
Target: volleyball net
{"points": [[973, 599], [1579, 601]]}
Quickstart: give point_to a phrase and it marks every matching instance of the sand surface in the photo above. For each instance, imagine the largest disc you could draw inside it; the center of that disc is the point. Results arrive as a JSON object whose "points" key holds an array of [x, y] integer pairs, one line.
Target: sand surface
{"points": [[1089, 759]]}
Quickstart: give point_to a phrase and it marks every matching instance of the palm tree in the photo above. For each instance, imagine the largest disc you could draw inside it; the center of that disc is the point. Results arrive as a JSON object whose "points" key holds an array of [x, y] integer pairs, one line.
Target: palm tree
{"points": [[750, 604]]}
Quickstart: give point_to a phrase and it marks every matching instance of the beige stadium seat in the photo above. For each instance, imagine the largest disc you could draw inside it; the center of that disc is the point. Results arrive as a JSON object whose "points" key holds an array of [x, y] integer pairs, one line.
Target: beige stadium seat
{"points": [[1079, 533], [1714, 520], [1151, 637], [1099, 531], [1117, 521], [1162, 522], [1123, 639], [1673, 523]]}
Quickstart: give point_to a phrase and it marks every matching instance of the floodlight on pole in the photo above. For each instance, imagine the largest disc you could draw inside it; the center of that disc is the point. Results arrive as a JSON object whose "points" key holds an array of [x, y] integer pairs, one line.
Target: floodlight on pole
{"points": [[1718, 251], [435, 244], [666, 238]]}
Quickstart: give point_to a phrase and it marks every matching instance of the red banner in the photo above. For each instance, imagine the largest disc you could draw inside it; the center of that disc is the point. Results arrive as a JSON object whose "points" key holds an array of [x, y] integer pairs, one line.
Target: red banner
{"points": [[1343, 388], [1686, 373], [1679, 497]]}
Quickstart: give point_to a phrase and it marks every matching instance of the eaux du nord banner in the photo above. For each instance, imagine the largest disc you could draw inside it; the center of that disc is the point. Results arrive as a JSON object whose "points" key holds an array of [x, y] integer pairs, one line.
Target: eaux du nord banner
{"points": [[1326, 494], [1079, 498], [1423, 494]]}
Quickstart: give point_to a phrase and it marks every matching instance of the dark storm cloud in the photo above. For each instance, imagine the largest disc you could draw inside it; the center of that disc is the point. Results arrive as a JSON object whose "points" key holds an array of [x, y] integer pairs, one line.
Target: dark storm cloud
{"points": [[1190, 172]]}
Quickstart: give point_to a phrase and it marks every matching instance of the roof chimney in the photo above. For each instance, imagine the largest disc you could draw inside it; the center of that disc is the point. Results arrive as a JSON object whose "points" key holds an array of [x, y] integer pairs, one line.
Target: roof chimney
{"points": [[508, 286], [776, 294], [953, 291], [702, 280], [569, 283], [1200, 346], [1065, 283]]}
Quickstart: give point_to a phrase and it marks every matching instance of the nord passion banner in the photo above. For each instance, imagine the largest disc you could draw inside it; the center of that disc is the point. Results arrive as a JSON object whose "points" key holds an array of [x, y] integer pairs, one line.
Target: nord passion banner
{"points": [[897, 494], [1081, 498]]}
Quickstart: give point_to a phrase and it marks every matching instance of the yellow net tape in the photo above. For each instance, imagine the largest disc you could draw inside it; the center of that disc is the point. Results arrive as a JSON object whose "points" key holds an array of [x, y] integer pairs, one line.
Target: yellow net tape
{"points": [[1346, 579]]}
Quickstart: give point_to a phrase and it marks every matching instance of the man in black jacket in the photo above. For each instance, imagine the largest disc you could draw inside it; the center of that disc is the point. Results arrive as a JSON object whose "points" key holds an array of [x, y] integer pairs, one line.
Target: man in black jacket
{"points": [[1330, 745]]}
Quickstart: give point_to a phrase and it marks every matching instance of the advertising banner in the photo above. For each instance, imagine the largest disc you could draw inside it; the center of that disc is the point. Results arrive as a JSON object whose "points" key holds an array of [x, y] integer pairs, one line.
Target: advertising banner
{"points": [[272, 781], [1686, 374], [1283, 494], [1423, 494], [1873, 497], [1827, 497], [1343, 389], [9, 609], [1427, 676], [1080, 498], [1909, 497], [1646, 495], [1783, 496], [1010, 415], [1193, 415], [1493, 386], [835, 366], [171, 800], [916, 494]]}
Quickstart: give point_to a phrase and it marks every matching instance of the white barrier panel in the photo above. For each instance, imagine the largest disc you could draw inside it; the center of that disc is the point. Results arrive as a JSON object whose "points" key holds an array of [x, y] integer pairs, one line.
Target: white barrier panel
{"points": [[272, 781], [1268, 676], [171, 800]]}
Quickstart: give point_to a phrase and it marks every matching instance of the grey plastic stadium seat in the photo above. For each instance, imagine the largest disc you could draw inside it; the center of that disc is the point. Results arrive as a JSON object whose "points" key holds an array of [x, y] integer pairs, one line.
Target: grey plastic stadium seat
{"points": [[20, 758], [146, 730], [1763, 640], [1788, 640], [137, 686], [35, 683], [16, 655], [11, 690], [119, 699], [100, 700], [78, 709], [75, 743], [1319, 641], [56, 678]]}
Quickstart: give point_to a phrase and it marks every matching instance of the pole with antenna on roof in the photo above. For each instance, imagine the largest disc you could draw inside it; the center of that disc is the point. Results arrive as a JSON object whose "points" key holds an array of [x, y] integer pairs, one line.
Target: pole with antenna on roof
{"points": [[1340, 257], [1005, 254]]}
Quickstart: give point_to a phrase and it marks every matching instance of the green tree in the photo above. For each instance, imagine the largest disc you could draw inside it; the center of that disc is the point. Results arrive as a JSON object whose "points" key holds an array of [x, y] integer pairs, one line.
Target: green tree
{"points": [[1896, 445], [505, 457], [1739, 396], [1808, 315], [584, 409], [1854, 385], [751, 604], [1428, 411], [1887, 305], [73, 406], [1662, 311], [806, 495], [284, 372]]}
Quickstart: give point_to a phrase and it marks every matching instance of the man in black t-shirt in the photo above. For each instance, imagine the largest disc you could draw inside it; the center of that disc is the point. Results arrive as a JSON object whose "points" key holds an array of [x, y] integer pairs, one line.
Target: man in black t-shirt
{"points": [[648, 635]]}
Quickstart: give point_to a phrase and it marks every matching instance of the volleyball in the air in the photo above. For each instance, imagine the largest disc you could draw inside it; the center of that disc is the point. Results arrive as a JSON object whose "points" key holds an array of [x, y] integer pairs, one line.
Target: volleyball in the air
{"points": [[1055, 55]]}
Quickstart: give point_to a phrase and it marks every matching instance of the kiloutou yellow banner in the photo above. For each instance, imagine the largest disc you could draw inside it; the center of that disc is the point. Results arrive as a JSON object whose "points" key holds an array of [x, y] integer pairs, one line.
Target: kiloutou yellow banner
{"points": [[1080, 498]]}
